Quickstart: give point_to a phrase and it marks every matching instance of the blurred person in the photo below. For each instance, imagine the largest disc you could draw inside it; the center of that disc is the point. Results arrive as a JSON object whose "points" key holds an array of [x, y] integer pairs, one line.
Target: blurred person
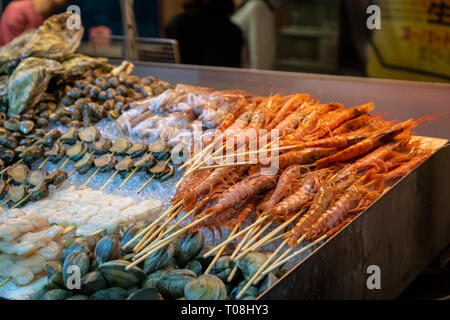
{"points": [[257, 22], [21, 15], [206, 34]]}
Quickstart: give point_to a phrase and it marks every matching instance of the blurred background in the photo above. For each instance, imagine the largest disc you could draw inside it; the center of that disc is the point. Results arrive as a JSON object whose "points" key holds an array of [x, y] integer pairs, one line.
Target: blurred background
{"points": [[316, 36]]}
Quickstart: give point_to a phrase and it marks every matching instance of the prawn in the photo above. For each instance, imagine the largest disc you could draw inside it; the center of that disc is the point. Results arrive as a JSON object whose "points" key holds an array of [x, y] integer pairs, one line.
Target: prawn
{"points": [[243, 213], [403, 169], [292, 104], [305, 156]]}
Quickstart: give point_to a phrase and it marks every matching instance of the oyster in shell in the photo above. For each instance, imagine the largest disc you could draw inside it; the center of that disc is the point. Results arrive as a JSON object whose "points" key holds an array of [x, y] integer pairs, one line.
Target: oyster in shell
{"points": [[79, 64], [11, 53], [53, 40], [4, 80], [28, 82]]}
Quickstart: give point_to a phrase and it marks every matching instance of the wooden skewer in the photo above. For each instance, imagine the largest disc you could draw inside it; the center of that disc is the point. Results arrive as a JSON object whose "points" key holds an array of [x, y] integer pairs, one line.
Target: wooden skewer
{"points": [[224, 165], [151, 178], [4, 170], [98, 232], [64, 164], [250, 227], [233, 273], [146, 229], [21, 201], [128, 178], [6, 281], [258, 151], [68, 229], [4, 202], [244, 241], [109, 180], [147, 242], [71, 173], [162, 228], [43, 163], [312, 244], [140, 244], [167, 240], [196, 157], [258, 272], [90, 178], [222, 249], [269, 236]]}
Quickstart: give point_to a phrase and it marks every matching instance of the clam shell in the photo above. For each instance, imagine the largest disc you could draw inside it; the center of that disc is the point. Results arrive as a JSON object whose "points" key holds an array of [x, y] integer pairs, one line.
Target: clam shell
{"points": [[251, 263], [116, 275], [205, 287], [189, 247], [173, 283], [159, 259], [79, 259], [107, 249], [56, 294], [146, 294], [153, 278], [195, 266], [92, 282], [114, 293]]}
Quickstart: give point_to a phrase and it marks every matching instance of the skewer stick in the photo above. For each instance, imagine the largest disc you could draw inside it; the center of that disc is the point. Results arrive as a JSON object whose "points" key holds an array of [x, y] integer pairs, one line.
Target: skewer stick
{"points": [[222, 249], [138, 247], [258, 272], [64, 163], [146, 229], [6, 281], [167, 240], [198, 155], [176, 224], [270, 235], [68, 229], [71, 173], [151, 178], [232, 274], [128, 178], [257, 152], [90, 178], [4, 170], [98, 232], [296, 253], [4, 202], [224, 165], [243, 242], [109, 180], [210, 252], [43, 163], [162, 228], [21, 201]]}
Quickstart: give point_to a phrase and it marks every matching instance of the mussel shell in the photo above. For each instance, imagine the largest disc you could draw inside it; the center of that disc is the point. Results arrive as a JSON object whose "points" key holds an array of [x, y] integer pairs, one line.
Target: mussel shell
{"points": [[78, 297], [223, 267], [137, 150], [120, 146], [159, 259], [167, 175], [145, 294], [107, 249], [56, 294], [39, 192], [79, 259], [89, 134], [267, 282], [153, 278], [116, 275], [252, 291], [53, 269], [76, 245], [114, 293], [92, 282], [129, 234], [190, 246], [251, 263], [205, 287], [85, 163], [195, 266], [173, 283], [70, 136]]}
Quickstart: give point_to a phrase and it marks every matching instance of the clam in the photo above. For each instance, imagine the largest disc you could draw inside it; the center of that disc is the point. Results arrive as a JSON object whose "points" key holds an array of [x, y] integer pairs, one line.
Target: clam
{"points": [[101, 146], [55, 153], [205, 287], [32, 153], [70, 136], [12, 124], [78, 297], [36, 177], [85, 163], [41, 123], [251, 263], [267, 282], [160, 150], [128, 235], [105, 162], [137, 149], [145, 294], [53, 269], [7, 156], [251, 292], [159, 169], [120, 146], [167, 175], [160, 259], [190, 246], [77, 151], [147, 161], [92, 282], [17, 193], [116, 275], [107, 249], [39, 192], [89, 134], [18, 173], [124, 165], [173, 283], [153, 278], [75, 245], [114, 293], [50, 138], [57, 177], [9, 142], [223, 267], [195, 266], [26, 126], [76, 263], [56, 294]]}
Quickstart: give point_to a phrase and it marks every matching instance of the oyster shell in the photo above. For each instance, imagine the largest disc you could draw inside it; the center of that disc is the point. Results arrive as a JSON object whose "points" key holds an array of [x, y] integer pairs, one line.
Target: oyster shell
{"points": [[11, 53], [79, 64]]}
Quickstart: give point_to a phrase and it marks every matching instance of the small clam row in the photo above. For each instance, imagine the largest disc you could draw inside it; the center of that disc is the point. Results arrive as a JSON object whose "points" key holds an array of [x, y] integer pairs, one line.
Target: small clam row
{"points": [[173, 272]]}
